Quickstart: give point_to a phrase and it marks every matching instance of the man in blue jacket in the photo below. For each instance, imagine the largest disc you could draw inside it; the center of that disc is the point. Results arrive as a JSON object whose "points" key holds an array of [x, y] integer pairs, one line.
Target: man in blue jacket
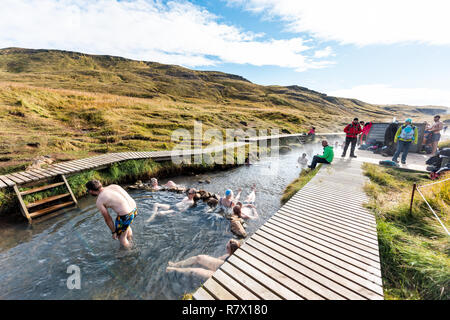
{"points": [[406, 134]]}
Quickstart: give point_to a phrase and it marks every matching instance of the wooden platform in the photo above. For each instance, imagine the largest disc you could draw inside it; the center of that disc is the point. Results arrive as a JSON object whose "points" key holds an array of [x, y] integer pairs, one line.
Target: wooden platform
{"points": [[75, 166], [322, 244]]}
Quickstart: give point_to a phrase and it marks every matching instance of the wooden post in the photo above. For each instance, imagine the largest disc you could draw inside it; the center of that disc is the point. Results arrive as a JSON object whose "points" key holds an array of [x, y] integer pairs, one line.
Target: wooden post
{"points": [[70, 190], [23, 207], [412, 198]]}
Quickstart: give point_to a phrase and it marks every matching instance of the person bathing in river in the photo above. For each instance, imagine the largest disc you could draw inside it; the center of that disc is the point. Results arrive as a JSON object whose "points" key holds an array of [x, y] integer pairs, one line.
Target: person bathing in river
{"points": [[168, 185], [209, 264], [116, 198], [181, 206], [229, 200], [302, 161], [245, 211]]}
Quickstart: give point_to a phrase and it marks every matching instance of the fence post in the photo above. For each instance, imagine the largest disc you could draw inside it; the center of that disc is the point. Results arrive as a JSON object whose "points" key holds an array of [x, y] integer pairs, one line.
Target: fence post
{"points": [[412, 198]]}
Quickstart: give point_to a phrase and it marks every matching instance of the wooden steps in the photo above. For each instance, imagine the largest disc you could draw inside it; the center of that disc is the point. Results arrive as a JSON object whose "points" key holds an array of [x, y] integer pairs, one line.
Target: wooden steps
{"points": [[50, 186], [44, 206], [56, 207], [47, 200]]}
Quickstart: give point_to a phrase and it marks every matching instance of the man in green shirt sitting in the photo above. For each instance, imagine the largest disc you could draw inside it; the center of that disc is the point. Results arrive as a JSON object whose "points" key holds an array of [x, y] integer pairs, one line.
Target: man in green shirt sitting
{"points": [[327, 157]]}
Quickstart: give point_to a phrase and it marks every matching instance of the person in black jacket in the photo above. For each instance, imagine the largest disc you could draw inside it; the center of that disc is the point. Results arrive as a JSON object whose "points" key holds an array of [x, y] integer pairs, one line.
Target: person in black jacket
{"points": [[389, 137]]}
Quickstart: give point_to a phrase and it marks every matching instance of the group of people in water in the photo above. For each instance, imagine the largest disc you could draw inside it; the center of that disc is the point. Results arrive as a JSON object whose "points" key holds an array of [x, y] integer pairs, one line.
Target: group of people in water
{"points": [[116, 198]]}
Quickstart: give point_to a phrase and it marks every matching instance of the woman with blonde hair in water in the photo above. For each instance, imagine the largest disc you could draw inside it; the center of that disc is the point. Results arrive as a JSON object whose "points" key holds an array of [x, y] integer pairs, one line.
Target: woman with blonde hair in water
{"points": [[209, 264]]}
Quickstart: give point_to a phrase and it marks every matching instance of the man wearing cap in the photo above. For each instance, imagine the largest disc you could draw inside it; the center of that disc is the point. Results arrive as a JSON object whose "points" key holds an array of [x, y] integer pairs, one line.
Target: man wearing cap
{"points": [[352, 130], [406, 134]]}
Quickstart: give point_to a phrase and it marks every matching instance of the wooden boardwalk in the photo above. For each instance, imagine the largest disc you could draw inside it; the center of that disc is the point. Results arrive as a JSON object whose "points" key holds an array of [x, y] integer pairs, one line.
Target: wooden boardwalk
{"points": [[96, 162], [300, 136], [322, 244]]}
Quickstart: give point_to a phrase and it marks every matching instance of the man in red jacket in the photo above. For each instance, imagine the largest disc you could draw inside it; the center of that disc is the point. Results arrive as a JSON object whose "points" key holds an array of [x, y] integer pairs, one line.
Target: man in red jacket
{"points": [[352, 130]]}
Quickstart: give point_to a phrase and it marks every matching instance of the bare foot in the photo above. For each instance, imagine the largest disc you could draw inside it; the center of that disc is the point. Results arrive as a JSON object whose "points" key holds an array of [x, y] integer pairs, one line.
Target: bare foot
{"points": [[171, 264]]}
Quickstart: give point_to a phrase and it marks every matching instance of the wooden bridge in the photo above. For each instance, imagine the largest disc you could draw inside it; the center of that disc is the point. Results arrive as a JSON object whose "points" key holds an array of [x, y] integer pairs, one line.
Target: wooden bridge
{"points": [[61, 170], [322, 244]]}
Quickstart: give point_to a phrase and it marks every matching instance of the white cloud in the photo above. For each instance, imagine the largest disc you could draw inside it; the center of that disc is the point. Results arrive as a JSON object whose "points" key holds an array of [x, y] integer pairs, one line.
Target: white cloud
{"points": [[361, 22], [324, 53], [384, 94], [175, 32]]}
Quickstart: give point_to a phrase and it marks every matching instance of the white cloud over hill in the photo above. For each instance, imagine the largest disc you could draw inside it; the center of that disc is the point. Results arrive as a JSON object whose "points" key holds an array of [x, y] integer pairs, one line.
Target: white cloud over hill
{"points": [[384, 94], [361, 22], [177, 32]]}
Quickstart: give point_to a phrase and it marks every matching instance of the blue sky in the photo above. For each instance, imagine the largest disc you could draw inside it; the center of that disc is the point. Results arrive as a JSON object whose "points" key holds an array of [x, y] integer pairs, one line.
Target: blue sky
{"points": [[377, 51]]}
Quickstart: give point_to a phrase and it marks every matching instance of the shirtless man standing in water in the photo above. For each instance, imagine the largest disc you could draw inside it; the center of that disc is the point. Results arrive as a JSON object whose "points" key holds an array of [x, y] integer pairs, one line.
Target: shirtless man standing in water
{"points": [[116, 198]]}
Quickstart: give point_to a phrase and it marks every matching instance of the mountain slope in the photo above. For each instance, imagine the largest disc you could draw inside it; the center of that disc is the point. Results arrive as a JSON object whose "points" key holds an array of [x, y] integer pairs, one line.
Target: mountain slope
{"points": [[71, 105]]}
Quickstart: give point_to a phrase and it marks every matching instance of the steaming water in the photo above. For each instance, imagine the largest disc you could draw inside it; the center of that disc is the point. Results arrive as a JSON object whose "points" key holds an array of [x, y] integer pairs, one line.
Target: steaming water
{"points": [[34, 260]]}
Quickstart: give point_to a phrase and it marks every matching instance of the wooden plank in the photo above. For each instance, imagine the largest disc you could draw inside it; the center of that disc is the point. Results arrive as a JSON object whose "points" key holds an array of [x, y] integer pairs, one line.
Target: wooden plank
{"points": [[34, 176], [326, 244], [335, 258], [336, 205], [300, 219], [262, 278], [301, 275], [39, 189], [343, 273], [17, 180], [321, 246], [26, 175], [327, 279], [41, 212], [282, 278], [22, 205], [332, 217], [202, 294], [7, 181], [326, 202], [217, 291], [47, 200], [68, 167], [2, 184], [70, 190], [248, 282], [42, 173], [335, 238], [317, 217], [233, 286]]}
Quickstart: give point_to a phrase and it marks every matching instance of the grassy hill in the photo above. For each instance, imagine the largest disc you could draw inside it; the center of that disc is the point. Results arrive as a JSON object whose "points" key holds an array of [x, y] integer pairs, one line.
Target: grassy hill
{"points": [[71, 105]]}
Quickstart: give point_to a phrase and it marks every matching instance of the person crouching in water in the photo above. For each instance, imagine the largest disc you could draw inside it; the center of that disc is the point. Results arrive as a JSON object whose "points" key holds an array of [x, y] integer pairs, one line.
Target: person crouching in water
{"points": [[209, 264], [327, 157], [116, 198]]}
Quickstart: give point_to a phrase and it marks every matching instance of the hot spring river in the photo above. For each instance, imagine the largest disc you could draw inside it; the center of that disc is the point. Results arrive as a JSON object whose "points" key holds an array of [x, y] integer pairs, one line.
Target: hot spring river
{"points": [[34, 260]]}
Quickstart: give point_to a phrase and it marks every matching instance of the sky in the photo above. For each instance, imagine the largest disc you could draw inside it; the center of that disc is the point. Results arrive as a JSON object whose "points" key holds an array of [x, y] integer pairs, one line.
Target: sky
{"points": [[382, 51]]}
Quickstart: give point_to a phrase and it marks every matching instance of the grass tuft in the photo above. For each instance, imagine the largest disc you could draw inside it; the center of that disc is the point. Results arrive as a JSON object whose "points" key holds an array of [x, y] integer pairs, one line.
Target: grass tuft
{"points": [[414, 248], [304, 177]]}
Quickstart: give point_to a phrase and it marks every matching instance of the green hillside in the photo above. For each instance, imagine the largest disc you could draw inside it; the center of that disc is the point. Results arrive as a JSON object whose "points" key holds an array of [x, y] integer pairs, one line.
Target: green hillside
{"points": [[70, 105]]}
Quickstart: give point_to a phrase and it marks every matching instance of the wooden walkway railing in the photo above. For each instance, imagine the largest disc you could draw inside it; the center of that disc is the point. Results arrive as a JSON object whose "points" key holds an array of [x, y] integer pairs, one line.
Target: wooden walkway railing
{"points": [[322, 244]]}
